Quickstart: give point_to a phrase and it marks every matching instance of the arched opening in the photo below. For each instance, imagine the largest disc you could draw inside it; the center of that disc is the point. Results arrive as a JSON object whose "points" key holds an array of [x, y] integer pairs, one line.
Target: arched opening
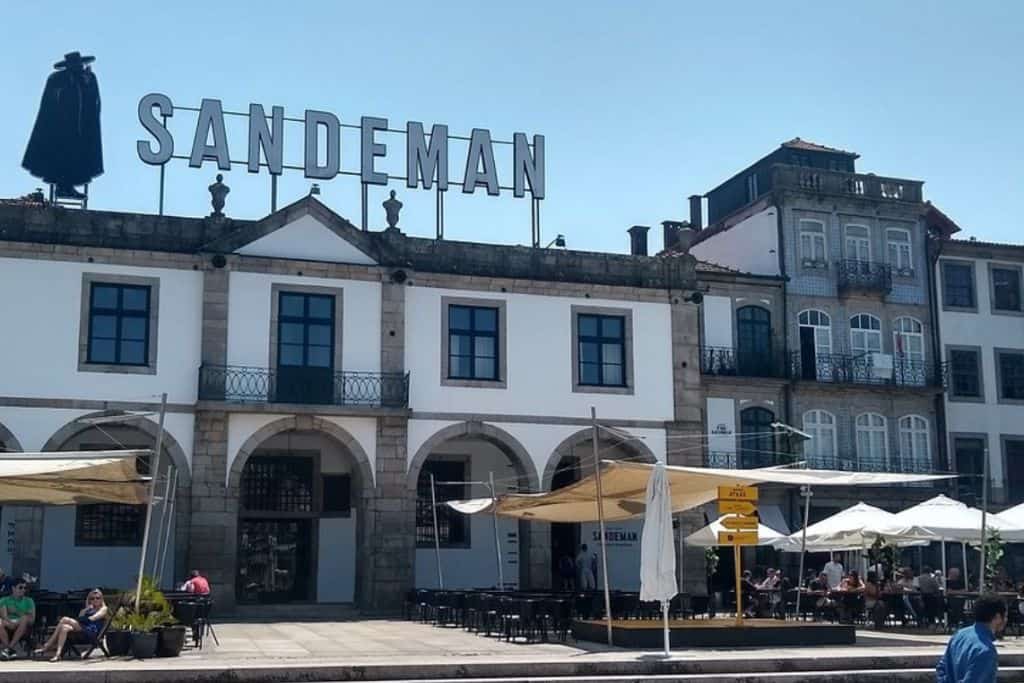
{"points": [[302, 489], [72, 547], [571, 566], [463, 459], [8, 442]]}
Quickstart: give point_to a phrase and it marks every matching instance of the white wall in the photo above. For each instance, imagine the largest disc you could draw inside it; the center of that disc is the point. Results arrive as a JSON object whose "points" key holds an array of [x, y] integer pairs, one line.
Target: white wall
{"points": [[306, 238], [750, 246], [988, 331], [721, 425], [539, 359], [249, 302], [41, 302], [717, 321]]}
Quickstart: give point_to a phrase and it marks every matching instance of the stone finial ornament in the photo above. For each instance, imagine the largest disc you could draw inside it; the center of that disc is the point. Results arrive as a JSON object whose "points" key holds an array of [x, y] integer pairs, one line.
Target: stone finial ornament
{"points": [[218, 193], [392, 206]]}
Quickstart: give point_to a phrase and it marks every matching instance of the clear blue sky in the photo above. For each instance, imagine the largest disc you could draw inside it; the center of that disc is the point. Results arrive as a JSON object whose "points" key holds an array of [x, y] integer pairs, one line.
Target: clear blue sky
{"points": [[641, 104]]}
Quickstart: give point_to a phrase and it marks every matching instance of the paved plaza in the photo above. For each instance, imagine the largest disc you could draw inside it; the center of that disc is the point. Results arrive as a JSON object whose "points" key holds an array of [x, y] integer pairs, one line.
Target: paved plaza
{"points": [[388, 650]]}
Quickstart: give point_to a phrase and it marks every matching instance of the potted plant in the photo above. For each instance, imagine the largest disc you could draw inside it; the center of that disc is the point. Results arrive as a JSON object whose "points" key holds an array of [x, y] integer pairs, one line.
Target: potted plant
{"points": [[147, 623], [119, 636]]}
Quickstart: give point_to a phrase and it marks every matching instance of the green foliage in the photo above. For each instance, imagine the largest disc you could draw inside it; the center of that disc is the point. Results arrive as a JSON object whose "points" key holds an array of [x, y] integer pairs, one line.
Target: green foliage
{"points": [[994, 549], [711, 560], [154, 610]]}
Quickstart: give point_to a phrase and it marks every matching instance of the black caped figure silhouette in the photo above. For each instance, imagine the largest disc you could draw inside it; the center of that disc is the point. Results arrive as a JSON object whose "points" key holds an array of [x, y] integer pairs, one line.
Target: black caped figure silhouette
{"points": [[65, 148]]}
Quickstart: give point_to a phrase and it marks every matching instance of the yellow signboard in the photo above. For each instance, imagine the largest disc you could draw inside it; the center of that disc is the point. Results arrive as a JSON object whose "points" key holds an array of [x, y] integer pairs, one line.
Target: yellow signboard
{"points": [[745, 493], [740, 523], [736, 507], [737, 538]]}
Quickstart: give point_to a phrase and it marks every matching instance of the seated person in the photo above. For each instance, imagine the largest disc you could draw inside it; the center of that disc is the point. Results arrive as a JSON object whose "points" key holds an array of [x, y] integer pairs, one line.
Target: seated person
{"points": [[1001, 582], [89, 622], [17, 613], [749, 592], [905, 584], [6, 583], [874, 602], [824, 603], [954, 581], [849, 605], [197, 584]]}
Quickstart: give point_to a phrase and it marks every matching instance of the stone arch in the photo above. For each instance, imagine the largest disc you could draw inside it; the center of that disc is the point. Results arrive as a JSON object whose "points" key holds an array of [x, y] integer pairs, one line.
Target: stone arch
{"points": [[487, 432], [363, 498], [8, 439], [143, 424], [641, 452]]}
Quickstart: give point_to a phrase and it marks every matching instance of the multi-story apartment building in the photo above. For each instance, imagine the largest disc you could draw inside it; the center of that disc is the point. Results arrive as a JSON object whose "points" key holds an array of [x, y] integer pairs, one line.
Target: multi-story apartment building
{"points": [[981, 322], [317, 376], [843, 347]]}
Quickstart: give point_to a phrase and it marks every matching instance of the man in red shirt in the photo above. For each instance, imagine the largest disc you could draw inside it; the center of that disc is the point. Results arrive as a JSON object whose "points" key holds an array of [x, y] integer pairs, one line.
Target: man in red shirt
{"points": [[197, 584]]}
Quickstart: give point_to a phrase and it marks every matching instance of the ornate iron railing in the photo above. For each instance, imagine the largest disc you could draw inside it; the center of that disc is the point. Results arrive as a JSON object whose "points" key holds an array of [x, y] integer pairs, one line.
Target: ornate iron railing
{"points": [[864, 276], [726, 361], [303, 385], [745, 460], [892, 464], [837, 368]]}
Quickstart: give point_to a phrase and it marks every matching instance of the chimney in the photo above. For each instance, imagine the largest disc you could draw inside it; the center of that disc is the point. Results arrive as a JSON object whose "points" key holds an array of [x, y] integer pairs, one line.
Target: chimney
{"points": [[696, 219], [672, 231], [638, 240]]}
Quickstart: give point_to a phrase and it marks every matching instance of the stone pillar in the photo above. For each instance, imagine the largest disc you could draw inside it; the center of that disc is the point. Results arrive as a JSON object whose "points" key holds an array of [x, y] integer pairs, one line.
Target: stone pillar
{"points": [[688, 423], [212, 543], [393, 543]]}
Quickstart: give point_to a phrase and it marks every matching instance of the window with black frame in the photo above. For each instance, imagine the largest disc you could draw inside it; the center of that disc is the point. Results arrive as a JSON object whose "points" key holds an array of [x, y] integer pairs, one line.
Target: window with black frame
{"points": [[1011, 374], [965, 370], [958, 285], [451, 525], [118, 324], [1006, 293], [111, 524], [473, 343], [602, 350]]}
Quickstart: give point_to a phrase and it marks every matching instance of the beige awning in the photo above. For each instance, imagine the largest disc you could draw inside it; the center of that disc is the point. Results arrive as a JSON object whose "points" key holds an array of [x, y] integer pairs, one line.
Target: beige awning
{"points": [[624, 485], [73, 478]]}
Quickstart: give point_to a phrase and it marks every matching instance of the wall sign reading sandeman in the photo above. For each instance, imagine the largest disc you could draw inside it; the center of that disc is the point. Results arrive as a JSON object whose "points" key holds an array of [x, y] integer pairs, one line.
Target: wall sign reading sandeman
{"points": [[65, 149]]}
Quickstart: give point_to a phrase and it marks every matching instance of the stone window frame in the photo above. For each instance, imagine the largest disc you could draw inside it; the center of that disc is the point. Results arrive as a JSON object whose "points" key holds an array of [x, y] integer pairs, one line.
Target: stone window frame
{"points": [[992, 267], [908, 271], [978, 353], [90, 278], [276, 289], [904, 457], [974, 285], [983, 437], [627, 315], [834, 427], [811, 263], [996, 353], [479, 302], [1003, 439], [868, 236]]}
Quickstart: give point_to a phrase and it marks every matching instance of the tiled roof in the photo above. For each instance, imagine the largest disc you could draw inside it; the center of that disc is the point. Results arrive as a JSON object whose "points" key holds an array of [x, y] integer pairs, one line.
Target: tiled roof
{"points": [[797, 143], [709, 267], [981, 243]]}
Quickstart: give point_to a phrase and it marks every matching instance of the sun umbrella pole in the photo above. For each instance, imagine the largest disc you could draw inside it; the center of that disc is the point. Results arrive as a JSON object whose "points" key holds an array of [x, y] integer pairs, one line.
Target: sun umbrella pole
{"points": [[805, 491], [944, 570], [437, 541], [963, 549], [153, 472], [600, 522], [984, 512], [497, 538], [167, 537], [664, 614]]}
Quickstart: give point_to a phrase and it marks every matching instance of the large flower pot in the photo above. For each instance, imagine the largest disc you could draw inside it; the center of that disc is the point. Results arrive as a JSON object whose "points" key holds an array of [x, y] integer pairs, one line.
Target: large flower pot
{"points": [[170, 641], [143, 645], [119, 643]]}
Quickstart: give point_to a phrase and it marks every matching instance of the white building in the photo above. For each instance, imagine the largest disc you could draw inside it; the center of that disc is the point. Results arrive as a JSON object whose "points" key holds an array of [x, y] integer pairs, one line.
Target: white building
{"points": [[981, 322], [317, 375]]}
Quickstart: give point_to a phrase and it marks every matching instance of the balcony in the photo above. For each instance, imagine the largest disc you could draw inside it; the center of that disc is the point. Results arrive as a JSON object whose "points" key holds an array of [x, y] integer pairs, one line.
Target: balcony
{"points": [[745, 461], [856, 185], [724, 361], [310, 386], [879, 369], [892, 464], [863, 276]]}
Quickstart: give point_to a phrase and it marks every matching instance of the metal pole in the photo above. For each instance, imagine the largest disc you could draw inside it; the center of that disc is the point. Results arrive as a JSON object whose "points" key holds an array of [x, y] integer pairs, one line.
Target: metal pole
{"points": [[437, 539], [984, 512], [739, 583], [170, 521], [963, 549], [163, 168], [600, 521], [366, 202], [160, 527], [273, 193], [805, 491], [497, 536], [945, 571], [154, 470]]}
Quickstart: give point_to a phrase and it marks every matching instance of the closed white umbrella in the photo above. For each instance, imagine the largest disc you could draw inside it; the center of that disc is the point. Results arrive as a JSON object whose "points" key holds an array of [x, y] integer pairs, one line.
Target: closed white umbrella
{"points": [[707, 536], [657, 551]]}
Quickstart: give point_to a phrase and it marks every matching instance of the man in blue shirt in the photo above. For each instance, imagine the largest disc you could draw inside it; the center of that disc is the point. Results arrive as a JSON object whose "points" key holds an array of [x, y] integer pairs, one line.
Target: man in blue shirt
{"points": [[971, 655]]}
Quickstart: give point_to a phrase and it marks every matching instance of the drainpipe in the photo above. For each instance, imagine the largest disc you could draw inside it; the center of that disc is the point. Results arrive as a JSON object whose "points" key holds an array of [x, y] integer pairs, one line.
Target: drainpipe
{"points": [[932, 255]]}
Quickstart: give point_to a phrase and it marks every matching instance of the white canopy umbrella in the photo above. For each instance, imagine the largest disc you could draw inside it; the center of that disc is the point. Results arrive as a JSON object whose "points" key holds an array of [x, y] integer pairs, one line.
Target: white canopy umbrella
{"points": [[657, 550], [707, 536], [1014, 516], [858, 527]]}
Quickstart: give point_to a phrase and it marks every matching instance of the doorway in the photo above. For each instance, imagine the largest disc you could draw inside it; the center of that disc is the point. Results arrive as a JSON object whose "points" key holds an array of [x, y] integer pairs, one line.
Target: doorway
{"points": [[754, 341], [565, 538]]}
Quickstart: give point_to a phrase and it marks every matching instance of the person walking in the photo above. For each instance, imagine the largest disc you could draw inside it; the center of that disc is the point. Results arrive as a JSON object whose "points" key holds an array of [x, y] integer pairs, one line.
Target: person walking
{"points": [[586, 580], [971, 655]]}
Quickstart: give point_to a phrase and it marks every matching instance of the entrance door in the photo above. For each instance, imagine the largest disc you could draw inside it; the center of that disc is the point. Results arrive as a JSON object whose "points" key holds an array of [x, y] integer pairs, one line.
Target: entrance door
{"points": [[565, 538], [753, 341], [305, 348]]}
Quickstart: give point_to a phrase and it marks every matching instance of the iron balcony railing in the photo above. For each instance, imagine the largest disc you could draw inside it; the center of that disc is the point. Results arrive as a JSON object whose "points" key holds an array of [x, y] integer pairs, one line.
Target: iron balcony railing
{"points": [[864, 276], [868, 368], [746, 460], [728, 362], [319, 386], [892, 464]]}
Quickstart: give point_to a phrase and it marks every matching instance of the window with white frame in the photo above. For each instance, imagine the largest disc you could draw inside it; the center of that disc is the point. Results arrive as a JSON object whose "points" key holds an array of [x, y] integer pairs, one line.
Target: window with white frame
{"points": [[812, 242], [915, 450], [821, 323], [865, 334], [908, 339], [897, 242], [872, 447], [858, 243], [821, 448]]}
